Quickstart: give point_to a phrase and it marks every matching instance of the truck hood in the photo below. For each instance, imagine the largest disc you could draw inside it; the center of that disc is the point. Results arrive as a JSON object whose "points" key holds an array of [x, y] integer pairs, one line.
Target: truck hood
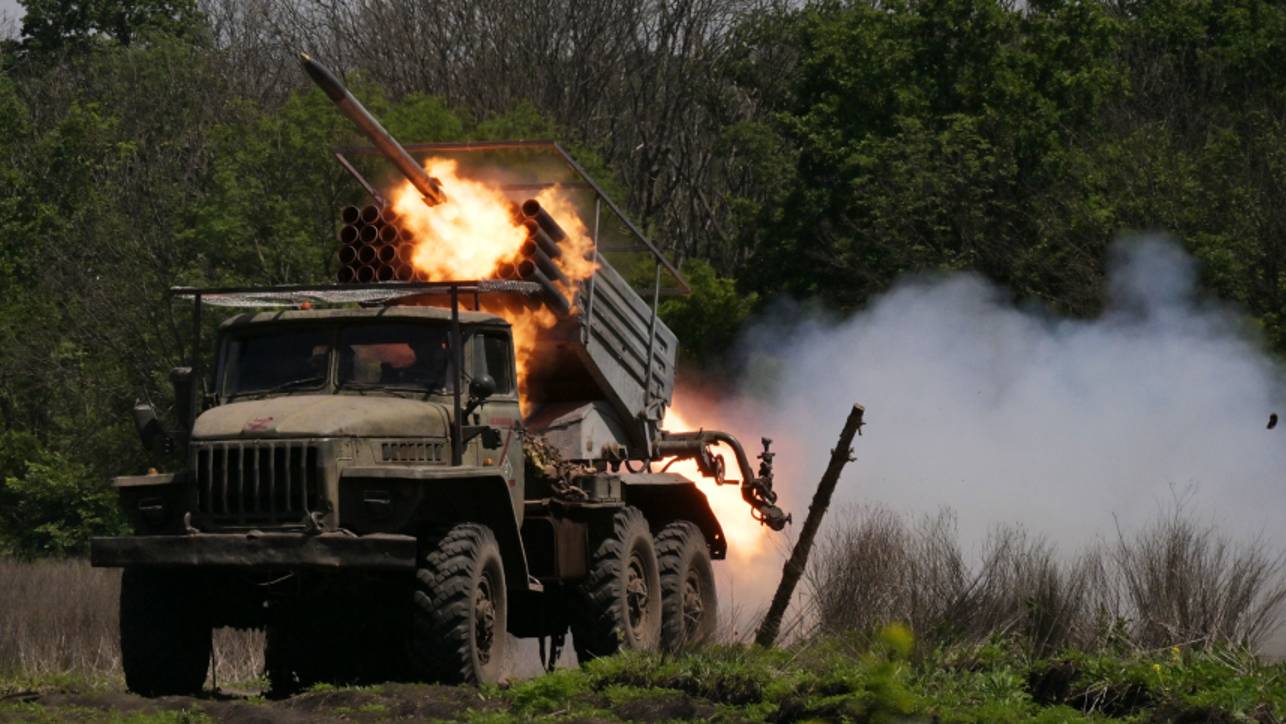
{"points": [[324, 416]]}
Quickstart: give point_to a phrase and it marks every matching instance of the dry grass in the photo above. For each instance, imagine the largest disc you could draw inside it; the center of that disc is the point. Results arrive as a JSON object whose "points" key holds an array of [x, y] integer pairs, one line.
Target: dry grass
{"points": [[58, 618], [1175, 582]]}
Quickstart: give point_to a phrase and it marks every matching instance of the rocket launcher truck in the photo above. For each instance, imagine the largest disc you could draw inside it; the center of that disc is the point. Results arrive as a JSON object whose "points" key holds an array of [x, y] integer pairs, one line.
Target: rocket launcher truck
{"points": [[362, 479]]}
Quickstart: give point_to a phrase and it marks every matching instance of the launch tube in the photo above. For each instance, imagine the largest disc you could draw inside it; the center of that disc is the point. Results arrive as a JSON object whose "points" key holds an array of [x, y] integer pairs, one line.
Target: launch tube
{"points": [[366, 123], [533, 252], [544, 222], [406, 254], [537, 236], [552, 295]]}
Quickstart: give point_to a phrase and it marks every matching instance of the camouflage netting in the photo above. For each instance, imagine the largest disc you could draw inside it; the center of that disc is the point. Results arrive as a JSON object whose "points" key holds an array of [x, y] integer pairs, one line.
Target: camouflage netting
{"points": [[545, 464], [371, 294]]}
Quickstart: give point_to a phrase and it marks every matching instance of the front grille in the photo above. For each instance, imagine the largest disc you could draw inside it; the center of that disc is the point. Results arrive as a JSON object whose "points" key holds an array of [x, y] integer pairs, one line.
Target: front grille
{"points": [[412, 452], [258, 482]]}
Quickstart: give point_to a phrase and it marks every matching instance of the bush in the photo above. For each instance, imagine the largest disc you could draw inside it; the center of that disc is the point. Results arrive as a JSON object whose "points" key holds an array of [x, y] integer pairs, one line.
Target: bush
{"points": [[1175, 582], [53, 506]]}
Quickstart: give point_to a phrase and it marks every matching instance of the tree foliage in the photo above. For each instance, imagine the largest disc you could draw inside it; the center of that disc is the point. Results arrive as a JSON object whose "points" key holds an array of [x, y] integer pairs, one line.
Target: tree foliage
{"points": [[817, 151]]}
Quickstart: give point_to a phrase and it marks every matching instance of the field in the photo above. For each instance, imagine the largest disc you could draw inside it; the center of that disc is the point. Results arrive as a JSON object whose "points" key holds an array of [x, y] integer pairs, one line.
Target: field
{"points": [[1159, 626]]}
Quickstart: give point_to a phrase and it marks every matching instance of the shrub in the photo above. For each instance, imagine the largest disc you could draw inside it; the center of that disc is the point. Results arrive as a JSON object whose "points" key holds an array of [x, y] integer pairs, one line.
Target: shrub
{"points": [[1174, 582]]}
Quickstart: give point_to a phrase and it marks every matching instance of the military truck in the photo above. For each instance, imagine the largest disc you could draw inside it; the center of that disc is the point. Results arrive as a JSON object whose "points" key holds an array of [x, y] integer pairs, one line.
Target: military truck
{"points": [[361, 482]]}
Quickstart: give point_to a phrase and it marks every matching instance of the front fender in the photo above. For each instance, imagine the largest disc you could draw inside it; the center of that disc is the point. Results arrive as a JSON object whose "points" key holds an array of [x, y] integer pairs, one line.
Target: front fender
{"points": [[413, 498]]}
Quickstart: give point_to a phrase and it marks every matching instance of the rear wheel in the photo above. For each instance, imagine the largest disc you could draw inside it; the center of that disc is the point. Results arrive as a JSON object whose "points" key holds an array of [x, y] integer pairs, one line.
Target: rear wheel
{"points": [[689, 605], [619, 603], [460, 617], [165, 632]]}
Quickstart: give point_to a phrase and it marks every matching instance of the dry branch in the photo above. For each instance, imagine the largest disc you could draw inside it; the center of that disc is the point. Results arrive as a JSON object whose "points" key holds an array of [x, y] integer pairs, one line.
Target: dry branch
{"points": [[794, 568]]}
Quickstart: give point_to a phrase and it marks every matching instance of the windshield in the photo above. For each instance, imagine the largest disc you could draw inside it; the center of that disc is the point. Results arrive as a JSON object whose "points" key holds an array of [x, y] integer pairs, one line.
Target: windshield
{"points": [[285, 359], [394, 355], [369, 356]]}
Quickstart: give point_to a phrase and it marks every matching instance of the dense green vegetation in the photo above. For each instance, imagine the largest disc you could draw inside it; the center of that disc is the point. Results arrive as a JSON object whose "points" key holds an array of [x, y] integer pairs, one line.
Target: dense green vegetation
{"points": [[818, 151], [832, 679]]}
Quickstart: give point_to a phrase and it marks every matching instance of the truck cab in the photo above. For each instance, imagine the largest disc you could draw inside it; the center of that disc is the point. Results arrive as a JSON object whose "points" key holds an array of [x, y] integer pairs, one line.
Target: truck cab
{"points": [[309, 401]]}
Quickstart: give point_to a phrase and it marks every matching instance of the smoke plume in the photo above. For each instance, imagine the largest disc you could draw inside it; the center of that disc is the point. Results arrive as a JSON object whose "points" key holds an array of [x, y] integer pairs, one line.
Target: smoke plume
{"points": [[1010, 415]]}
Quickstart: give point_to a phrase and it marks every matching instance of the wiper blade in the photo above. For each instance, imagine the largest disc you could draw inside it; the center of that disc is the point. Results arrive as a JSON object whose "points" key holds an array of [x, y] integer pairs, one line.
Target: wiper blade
{"points": [[290, 384], [360, 386]]}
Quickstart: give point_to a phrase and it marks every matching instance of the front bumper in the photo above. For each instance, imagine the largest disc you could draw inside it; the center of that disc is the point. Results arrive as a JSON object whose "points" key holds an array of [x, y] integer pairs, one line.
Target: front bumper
{"points": [[380, 552]]}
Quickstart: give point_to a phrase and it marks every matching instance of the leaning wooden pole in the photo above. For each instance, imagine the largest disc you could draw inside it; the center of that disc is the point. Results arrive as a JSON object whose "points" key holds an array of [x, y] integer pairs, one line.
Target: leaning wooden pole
{"points": [[794, 568]]}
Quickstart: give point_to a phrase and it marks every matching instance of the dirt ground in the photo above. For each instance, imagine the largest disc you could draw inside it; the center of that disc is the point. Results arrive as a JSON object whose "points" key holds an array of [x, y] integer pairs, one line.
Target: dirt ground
{"points": [[414, 702], [390, 701]]}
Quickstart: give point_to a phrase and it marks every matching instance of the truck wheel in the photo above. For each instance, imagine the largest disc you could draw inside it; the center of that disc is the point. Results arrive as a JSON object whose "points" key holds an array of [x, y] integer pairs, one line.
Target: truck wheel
{"points": [[459, 621], [620, 600], [165, 633], [689, 605]]}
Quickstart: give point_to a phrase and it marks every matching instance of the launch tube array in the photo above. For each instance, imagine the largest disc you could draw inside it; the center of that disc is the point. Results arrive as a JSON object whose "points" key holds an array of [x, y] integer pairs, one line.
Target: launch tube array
{"points": [[376, 247]]}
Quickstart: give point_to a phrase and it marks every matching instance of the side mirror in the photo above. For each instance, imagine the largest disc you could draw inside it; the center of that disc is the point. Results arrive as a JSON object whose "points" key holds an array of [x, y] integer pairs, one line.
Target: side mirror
{"points": [[482, 387], [181, 378], [150, 431]]}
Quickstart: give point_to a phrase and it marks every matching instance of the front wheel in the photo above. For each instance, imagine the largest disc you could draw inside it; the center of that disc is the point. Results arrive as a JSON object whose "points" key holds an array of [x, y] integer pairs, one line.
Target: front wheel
{"points": [[619, 602], [165, 632], [460, 616]]}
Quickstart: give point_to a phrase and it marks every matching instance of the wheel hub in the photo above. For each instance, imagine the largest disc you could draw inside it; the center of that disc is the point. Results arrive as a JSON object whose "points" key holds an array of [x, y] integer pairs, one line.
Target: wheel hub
{"points": [[693, 604], [636, 593], [484, 620]]}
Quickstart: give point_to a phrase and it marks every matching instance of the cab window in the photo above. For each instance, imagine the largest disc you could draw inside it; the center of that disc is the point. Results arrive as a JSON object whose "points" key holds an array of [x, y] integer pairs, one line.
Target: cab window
{"points": [[395, 355], [496, 360]]}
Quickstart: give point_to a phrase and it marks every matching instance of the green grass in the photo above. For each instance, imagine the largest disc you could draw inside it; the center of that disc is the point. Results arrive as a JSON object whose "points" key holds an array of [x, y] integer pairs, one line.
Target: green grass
{"points": [[831, 679]]}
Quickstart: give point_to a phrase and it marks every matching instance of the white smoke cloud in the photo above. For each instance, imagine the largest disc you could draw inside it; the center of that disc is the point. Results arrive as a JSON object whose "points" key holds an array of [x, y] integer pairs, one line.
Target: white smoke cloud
{"points": [[1011, 415]]}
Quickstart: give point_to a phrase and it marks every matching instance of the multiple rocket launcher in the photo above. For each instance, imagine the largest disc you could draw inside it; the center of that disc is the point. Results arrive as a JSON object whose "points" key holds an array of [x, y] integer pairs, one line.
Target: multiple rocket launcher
{"points": [[376, 247], [628, 352]]}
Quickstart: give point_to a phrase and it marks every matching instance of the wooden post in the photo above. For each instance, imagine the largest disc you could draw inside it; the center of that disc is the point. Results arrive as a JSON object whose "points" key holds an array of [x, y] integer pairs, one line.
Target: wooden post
{"points": [[794, 568]]}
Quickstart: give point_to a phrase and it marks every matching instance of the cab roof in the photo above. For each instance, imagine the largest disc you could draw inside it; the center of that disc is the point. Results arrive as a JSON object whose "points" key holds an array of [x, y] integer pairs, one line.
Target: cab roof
{"points": [[392, 313]]}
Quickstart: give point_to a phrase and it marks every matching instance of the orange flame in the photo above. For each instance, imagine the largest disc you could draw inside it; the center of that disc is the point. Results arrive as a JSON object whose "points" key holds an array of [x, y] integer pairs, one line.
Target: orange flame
{"points": [[476, 230], [746, 537], [577, 247], [464, 237]]}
